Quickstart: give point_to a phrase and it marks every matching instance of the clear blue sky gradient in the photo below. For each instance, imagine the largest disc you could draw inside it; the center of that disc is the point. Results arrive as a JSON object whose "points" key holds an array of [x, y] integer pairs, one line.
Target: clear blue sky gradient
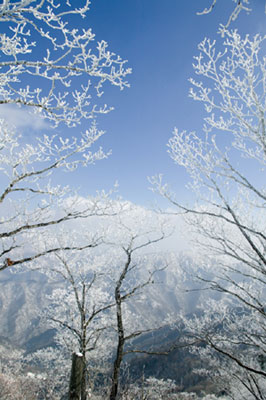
{"points": [[159, 39]]}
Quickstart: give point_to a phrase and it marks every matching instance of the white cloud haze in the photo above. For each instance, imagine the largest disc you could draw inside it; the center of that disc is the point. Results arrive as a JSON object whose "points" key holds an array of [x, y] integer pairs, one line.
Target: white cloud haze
{"points": [[21, 118]]}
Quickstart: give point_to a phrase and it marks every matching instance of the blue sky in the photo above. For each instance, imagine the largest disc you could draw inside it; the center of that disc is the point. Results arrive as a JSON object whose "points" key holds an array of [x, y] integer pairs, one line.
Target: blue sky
{"points": [[159, 40]]}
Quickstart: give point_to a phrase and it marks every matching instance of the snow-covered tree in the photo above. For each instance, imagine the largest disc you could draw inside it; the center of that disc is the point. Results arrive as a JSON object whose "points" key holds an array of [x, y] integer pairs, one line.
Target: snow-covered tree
{"points": [[77, 309], [241, 5], [132, 235], [51, 368], [30, 203], [152, 389], [52, 66], [95, 305], [226, 166], [159, 389]]}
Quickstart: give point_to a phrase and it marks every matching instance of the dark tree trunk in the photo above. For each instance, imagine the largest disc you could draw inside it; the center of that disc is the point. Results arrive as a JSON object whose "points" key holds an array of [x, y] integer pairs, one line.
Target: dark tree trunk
{"points": [[120, 329], [121, 342], [117, 363], [83, 388], [76, 377]]}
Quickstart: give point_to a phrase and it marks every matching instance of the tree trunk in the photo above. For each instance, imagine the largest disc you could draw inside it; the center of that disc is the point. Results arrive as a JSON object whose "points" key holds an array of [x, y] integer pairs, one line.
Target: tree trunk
{"points": [[83, 388], [120, 348], [120, 329], [76, 377], [83, 340], [117, 363]]}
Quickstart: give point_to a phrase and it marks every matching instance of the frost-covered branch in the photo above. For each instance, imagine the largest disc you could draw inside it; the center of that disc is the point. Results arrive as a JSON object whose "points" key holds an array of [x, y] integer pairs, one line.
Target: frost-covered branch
{"points": [[78, 309], [225, 164], [133, 238], [241, 5], [30, 203], [64, 68]]}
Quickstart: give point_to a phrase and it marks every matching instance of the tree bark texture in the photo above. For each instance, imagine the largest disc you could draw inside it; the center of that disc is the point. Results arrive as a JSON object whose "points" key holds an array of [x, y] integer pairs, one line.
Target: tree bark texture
{"points": [[76, 377]]}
